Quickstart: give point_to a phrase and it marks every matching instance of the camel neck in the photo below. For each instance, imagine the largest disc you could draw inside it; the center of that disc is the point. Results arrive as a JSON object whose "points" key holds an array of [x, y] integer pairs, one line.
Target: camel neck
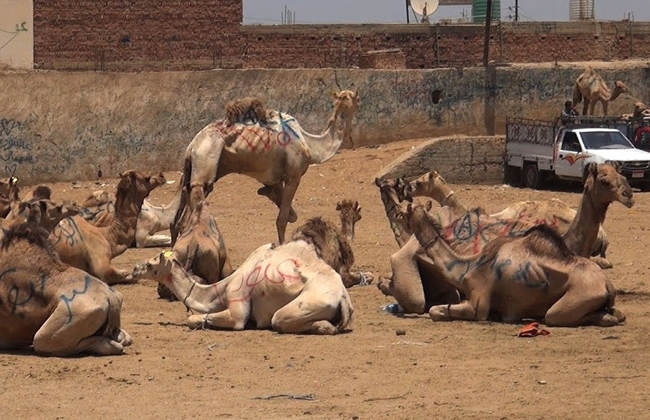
{"points": [[453, 203], [200, 298], [324, 146], [453, 266], [583, 231], [347, 228], [394, 213], [121, 232]]}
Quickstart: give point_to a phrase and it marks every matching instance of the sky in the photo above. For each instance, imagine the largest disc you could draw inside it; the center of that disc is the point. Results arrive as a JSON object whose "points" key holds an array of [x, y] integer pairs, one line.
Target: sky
{"points": [[268, 12]]}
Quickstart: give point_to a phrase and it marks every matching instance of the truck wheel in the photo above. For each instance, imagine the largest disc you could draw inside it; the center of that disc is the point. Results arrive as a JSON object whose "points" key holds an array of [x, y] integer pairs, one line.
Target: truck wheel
{"points": [[532, 176]]}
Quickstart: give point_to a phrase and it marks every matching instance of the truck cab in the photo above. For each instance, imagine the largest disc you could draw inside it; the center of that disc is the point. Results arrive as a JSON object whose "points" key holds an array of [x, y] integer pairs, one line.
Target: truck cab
{"points": [[543, 150]]}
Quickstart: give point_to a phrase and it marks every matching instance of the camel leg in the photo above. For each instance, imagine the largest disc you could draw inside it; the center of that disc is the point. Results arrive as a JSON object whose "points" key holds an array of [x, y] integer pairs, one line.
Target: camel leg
{"points": [[288, 192], [580, 307], [66, 333], [154, 241], [605, 104], [233, 318], [602, 262], [592, 107], [311, 312], [585, 106], [461, 311], [113, 276], [274, 193], [406, 283]]}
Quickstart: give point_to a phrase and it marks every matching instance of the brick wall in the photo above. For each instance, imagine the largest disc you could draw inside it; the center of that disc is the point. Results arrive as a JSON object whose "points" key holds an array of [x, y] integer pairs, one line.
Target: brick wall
{"points": [[134, 34], [203, 34]]}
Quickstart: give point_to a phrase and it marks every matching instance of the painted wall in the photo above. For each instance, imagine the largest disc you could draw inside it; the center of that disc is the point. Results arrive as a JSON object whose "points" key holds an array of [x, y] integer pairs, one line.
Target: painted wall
{"points": [[66, 126], [16, 34]]}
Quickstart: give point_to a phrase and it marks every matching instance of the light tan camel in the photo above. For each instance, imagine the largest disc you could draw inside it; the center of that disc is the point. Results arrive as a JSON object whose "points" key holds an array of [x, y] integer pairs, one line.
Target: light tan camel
{"points": [[286, 287], [415, 282], [591, 88], [554, 212], [200, 246], [99, 209], [58, 309], [277, 153], [511, 279], [91, 248], [44, 213], [334, 246], [415, 289]]}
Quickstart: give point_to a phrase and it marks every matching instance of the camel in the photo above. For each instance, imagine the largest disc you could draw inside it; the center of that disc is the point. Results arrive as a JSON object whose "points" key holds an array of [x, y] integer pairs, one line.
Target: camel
{"points": [[99, 210], [277, 153], [91, 248], [591, 88], [515, 278], [9, 194], [45, 213], [285, 287], [554, 212], [58, 309], [200, 246], [334, 246], [40, 192], [415, 281], [414, 288]]}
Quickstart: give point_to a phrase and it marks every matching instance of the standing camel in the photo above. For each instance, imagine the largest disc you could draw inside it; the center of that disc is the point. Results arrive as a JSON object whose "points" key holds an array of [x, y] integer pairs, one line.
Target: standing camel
{"points": [[591, 88], [276, 152]]}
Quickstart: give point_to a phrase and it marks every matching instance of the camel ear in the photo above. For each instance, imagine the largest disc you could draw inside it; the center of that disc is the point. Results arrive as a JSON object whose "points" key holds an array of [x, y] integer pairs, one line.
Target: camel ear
{"points": [[592, 169], [377, 182], [355, 94], [335, 95], [429, 205], [435, 174], [338, 206]]}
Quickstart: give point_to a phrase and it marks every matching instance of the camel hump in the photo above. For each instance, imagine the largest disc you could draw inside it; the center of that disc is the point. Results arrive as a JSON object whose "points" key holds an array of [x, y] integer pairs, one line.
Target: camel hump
{"points": [[250, 109]]}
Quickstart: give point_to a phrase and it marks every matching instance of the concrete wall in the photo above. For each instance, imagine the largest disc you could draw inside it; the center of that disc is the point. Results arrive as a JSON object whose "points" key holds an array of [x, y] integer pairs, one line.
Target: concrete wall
{"points": [[65, 126], [459, 159], [16, 34]]}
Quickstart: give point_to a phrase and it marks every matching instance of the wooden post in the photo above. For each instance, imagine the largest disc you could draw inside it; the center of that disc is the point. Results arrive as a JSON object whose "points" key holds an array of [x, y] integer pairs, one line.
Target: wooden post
{"points": [[486, 42]]}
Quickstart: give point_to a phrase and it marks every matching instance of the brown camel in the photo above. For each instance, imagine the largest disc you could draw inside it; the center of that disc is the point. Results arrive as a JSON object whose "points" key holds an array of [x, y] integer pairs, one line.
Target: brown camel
{"points": [[591, 88], [44, 213], [58, 309], [334, 246], [277, 153], [200, 246], [511, 279], [91, 248], [554, 212], [9, 195], [285, 287]]}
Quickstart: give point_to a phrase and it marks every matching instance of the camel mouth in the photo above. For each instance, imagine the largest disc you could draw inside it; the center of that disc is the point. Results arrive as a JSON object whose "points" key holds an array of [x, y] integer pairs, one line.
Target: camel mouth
{"points": [[628, 202]]}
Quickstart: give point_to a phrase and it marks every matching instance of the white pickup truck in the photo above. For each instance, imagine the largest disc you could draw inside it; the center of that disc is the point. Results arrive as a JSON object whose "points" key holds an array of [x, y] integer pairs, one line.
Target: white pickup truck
{"points": [[540, 150]]}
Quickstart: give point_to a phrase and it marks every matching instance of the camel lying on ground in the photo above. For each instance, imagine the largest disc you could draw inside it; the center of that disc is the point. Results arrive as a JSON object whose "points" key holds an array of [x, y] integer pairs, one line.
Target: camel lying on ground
{"points": [[43, 212], [276, 153], [286, 287], [92, 248], [335, 246], [592, 88], [554, 212], [99, 210], [511, 278], [200, 247], [9, 195], [416, 289], [59, 309]]}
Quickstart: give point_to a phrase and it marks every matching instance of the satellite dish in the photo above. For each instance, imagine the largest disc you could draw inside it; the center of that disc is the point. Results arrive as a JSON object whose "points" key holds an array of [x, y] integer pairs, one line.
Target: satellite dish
{"points": [[424, 7]]}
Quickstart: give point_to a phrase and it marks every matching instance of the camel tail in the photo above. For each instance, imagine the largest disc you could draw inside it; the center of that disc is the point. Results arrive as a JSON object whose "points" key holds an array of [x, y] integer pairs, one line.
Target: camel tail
{"points": [[346, 311], [611, 296], [577, 95], [113, 323]]}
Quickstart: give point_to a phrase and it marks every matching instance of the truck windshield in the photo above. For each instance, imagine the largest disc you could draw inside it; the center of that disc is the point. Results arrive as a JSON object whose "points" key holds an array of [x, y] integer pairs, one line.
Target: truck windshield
{"points": [[605, 140]]}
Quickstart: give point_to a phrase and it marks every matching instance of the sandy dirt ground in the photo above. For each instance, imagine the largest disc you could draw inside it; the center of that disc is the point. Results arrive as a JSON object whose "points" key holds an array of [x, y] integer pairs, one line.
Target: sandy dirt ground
{"points": [[443, 370]]}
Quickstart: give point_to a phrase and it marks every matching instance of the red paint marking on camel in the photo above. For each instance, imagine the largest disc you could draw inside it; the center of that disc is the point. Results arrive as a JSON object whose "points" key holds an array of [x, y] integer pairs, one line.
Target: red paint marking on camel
{"points": [[255, 277]]}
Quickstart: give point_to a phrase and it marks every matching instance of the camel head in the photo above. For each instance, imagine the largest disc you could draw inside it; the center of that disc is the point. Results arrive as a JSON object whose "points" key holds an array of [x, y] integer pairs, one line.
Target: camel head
{"points": [[605, 185], [421, 223], [46, 213], [346, 105], [619, 87], [350, 210], [433, 185], [140, 183], [156, 268], [9, 188], [394, 190]]}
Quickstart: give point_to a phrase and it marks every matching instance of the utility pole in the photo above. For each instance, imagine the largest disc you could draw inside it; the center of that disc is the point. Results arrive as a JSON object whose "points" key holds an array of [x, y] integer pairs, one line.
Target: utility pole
{"points": [[407, 12], [516, 10], [486, 42]]}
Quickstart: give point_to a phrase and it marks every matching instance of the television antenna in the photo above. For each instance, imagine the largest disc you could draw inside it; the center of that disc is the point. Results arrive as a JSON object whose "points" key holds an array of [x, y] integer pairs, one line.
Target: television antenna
{"points": [[424, 8]]}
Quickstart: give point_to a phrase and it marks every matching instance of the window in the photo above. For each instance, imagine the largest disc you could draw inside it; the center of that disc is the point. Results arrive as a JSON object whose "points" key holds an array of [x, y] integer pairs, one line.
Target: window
{"points": [[570, 142]]}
